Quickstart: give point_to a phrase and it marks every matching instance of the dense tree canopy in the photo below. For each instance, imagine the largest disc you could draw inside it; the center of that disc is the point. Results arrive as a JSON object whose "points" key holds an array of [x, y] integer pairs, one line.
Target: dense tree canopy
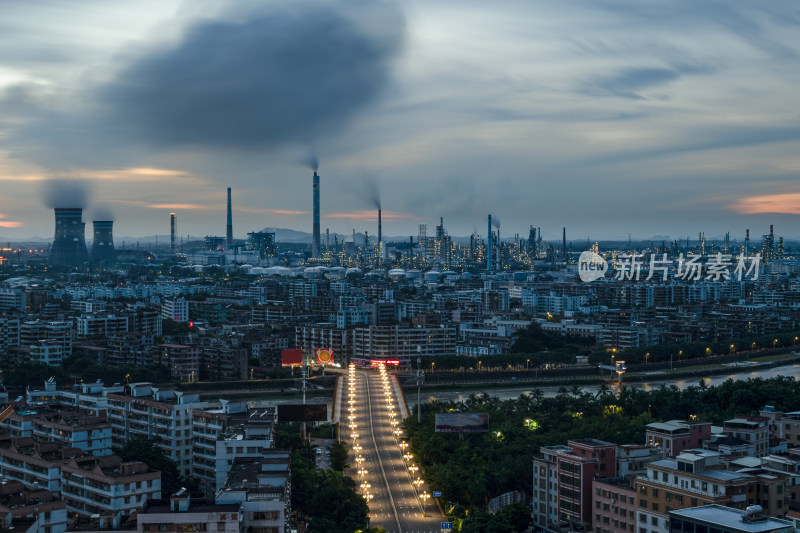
{"points": [[325, 499], [472, 470]]}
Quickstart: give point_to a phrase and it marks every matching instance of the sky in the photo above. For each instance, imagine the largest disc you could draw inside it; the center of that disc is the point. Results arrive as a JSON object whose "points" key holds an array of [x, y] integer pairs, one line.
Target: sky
{"points": [[658, 119]]}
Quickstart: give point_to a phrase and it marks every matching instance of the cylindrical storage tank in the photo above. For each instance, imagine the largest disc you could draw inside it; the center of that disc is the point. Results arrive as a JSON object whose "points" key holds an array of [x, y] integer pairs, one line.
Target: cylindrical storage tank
{"points": [[433, 276], [397, 274], [413, 274], [336, 272]]}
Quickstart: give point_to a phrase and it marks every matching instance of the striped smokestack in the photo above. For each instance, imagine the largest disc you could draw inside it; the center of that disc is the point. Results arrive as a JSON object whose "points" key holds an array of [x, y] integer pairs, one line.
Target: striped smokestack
{"points": [[229, 233], [316, 236]]}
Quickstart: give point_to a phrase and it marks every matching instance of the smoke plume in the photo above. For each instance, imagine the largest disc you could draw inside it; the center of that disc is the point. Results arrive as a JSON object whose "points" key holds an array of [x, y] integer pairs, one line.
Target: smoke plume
{"points": [[258, 76], [64, 193], [496, 222], [311, 160], [373, 192], [102, 212]]}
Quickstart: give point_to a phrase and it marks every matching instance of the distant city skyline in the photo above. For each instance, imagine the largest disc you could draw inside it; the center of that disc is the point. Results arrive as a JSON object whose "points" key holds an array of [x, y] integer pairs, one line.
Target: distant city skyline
{"points": [[656, 120]]}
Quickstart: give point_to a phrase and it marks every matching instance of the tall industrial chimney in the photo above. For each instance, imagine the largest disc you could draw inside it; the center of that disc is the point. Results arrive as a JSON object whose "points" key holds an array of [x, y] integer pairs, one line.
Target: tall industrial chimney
{"points": [[103, 243], [172, 232], [316, 237], [489, 250], [69, 244], [229, 234], [380, 238], [747, 241], [564, 244]]}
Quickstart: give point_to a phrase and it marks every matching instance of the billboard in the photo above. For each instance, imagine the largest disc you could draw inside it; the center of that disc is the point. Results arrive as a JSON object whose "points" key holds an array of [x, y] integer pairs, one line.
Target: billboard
{"points": [[301, 412], [291, 357], [324, 355], [462, 422]]}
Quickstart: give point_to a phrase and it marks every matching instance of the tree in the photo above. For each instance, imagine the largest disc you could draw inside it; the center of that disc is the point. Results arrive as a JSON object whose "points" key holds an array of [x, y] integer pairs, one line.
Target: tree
{"points": [[338, 456], [148, 451]]}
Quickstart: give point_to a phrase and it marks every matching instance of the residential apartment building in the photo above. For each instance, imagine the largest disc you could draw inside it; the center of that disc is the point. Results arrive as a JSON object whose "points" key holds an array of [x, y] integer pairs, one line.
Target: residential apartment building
{"points": [[88, 484], [176, 309], [147, 412], [562, 481], [403, 341], [674, 436], [752, 430], [68, 427], [181, 513], [614, 505], [695, 477], [262, 486], [107, 485], [31, 510], [183, 361]]}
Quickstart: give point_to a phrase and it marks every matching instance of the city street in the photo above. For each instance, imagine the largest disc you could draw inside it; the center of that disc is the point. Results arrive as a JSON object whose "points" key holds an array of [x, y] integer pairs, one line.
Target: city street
{"points": [[389, 481]]}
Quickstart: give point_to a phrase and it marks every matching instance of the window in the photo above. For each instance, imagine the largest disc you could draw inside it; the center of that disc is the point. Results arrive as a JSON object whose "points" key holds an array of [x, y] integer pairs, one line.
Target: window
{"points": [[655, 493], [654, 520], [654, 506]]}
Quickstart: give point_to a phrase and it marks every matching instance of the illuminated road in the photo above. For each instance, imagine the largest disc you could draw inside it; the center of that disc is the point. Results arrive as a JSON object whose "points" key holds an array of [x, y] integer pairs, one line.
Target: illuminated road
{"points": [[377, 458]]}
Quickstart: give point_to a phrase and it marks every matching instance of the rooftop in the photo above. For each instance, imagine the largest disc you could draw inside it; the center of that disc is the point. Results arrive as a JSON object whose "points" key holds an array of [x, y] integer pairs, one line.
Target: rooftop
{"points": [[732, 519]]}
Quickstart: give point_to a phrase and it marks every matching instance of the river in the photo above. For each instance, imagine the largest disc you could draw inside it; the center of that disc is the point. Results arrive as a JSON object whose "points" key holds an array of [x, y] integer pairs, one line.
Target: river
{"points": [[550, 391]]}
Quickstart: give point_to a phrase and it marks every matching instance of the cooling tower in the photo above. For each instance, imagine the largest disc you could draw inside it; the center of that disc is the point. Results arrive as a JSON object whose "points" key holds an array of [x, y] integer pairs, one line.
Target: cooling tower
{"points": [[103, 243], [69, 244]]}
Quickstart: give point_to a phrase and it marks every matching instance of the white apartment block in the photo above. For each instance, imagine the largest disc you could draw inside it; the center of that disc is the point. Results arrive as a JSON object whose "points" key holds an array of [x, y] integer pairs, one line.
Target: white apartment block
{"points": [[148, 412], [175, 309]]}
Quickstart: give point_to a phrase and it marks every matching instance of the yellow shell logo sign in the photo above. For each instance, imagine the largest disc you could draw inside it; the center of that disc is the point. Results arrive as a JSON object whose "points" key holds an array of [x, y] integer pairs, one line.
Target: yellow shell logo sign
{"points": [[324, 356]]}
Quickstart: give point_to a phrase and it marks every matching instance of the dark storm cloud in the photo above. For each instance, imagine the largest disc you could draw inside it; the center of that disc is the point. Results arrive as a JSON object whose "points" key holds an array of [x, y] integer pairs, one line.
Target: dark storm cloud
{"points": [[289, 74]]}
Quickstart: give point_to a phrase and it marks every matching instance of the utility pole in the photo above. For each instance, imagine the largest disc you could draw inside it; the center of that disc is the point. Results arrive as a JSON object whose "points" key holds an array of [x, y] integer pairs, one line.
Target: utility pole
{"points": [[419, 385], [303, 375]]}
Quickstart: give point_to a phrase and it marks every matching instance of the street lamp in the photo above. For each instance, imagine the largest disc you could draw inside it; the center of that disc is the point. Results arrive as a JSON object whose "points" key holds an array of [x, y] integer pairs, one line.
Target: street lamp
{"points": [[774, 343], [424, 497], [646, 357]]}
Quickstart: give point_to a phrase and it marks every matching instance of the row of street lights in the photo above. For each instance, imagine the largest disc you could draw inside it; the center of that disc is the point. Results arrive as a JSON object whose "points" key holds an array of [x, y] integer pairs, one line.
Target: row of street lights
{"points": [[356, 447], [416, 480]]}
